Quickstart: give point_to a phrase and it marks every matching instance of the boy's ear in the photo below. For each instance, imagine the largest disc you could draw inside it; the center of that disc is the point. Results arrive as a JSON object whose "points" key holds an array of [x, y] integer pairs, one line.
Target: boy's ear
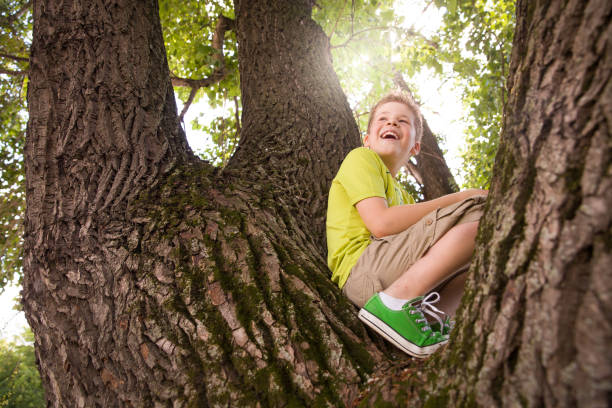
{"points": [[366, 140], [416, 149]]}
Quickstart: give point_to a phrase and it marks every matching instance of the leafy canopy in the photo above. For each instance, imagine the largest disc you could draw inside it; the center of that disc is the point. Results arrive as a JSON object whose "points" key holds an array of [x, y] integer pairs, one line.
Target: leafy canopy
{"points": [[15, 29]]}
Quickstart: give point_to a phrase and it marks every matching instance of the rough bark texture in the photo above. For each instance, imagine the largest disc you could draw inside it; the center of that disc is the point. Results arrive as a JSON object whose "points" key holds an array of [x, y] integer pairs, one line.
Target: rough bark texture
{"points": [[535, 321], [297, 125]]}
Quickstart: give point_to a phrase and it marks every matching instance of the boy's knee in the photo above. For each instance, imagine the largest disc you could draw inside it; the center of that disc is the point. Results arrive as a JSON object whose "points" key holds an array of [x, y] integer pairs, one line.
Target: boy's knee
{"points": [[468, 229]]}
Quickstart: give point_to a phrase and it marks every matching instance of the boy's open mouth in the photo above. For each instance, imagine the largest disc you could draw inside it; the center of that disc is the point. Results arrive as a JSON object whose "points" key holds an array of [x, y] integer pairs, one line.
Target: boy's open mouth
{"points": [[390, 135]]}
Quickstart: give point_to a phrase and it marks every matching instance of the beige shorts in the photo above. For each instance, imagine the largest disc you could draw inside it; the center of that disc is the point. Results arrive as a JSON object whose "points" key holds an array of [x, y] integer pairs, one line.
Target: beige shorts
{"points": [[386, 258]]}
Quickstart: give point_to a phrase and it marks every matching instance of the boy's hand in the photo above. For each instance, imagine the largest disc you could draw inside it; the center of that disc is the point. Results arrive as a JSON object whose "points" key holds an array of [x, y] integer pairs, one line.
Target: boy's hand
{"points": [[471, 192]]}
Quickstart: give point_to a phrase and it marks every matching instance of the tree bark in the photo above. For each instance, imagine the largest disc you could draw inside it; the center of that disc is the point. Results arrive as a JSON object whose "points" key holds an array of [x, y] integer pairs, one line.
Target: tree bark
{"points": [[535, 320], [297, 125]]}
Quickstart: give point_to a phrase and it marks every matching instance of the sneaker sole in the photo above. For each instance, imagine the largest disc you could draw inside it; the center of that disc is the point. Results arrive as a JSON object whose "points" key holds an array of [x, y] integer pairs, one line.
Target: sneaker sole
{"points": [[395, 338]]}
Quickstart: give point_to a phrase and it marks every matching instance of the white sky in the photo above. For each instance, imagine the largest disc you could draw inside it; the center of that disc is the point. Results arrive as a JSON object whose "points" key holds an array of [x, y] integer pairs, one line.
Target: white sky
{"points": [[441, 106], [12, 322]]}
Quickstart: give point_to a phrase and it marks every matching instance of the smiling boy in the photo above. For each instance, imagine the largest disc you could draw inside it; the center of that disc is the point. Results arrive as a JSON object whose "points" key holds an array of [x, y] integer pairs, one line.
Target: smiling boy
{"points": [[385, 251]]}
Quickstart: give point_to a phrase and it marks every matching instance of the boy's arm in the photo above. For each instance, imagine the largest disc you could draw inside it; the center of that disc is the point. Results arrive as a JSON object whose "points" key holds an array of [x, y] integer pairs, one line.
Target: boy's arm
{"points": [[382, 220]]}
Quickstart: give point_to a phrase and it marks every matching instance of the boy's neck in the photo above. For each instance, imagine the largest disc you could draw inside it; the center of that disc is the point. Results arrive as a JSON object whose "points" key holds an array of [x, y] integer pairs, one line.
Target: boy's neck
{"points": [[393, 167]]}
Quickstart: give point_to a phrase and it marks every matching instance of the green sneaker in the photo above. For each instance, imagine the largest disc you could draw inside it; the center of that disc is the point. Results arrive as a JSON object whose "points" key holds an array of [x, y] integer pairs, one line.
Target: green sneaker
{"points": [[407, 329]]}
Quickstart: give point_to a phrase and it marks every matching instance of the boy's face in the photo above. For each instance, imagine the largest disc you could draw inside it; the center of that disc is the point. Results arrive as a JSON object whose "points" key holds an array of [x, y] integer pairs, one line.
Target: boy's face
{"points": [[392, 135]]}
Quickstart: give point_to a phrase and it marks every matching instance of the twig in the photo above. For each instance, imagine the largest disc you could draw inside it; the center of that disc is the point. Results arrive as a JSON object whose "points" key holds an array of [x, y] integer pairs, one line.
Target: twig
{"points": [[331, 34], [427, 6], [15, 57], [409, 33], [353, 35], [11, 72], [11, 19]]}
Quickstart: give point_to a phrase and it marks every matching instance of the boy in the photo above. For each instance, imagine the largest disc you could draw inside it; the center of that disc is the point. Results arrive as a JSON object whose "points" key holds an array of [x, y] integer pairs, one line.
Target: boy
{"points": [[385, 251]]}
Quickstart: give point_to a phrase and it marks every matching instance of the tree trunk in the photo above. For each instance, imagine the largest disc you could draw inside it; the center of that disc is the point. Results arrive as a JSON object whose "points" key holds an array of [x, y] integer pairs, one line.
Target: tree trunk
{"points": [[534, 324], [152, 279]]}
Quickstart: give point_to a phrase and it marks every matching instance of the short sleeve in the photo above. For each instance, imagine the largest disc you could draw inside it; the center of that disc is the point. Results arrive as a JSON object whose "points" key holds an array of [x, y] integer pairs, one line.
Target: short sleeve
{"points": [[361, 175]]}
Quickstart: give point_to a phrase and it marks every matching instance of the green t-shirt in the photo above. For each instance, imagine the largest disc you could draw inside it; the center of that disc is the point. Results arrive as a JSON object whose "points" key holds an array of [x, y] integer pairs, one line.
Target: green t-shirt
{"points": [[362, 174]]}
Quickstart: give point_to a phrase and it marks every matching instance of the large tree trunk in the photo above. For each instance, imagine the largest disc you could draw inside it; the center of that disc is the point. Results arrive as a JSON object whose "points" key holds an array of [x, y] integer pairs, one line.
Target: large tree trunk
{"points": [[151, 279], [534, 324]]}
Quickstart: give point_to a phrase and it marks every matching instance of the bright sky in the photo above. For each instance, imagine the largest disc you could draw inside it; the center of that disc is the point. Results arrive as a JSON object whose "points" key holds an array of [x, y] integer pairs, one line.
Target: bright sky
{"points": [[12, 322], [441, 106]]}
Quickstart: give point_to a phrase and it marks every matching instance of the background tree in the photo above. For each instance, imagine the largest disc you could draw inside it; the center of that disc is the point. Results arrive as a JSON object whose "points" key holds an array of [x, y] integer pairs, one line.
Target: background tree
{"points": [[20, 385]]}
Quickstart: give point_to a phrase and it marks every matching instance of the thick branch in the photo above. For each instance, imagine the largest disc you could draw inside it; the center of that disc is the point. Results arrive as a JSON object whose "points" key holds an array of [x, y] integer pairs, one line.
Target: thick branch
{"points": [[295, 115]]}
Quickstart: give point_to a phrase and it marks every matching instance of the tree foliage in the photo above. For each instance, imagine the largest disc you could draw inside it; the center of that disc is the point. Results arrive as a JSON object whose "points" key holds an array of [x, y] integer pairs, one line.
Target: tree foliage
{"points": [[476, 40], [20, 385], [15, 26]]}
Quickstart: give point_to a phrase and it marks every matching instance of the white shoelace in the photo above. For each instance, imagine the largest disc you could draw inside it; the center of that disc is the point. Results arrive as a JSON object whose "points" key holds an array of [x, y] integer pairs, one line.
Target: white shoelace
{"points": [[428, 307]]}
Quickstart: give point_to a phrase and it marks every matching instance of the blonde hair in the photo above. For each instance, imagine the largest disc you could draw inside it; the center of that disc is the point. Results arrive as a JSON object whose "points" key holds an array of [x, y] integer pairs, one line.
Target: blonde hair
{"points": [[407, 100]]}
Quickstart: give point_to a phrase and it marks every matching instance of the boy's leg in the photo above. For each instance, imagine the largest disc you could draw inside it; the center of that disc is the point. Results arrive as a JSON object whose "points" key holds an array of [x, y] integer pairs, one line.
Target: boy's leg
{"points": [[453, 250], [387, 259]]}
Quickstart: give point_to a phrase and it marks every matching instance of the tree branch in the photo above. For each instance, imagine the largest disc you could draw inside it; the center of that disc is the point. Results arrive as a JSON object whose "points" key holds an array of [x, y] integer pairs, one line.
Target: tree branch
{"points": [[15, 57], [337, 20], [192, 95], [11, 72], [410, 33], [223, 25], [12, 18], [237, 115], [414, 171]]}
